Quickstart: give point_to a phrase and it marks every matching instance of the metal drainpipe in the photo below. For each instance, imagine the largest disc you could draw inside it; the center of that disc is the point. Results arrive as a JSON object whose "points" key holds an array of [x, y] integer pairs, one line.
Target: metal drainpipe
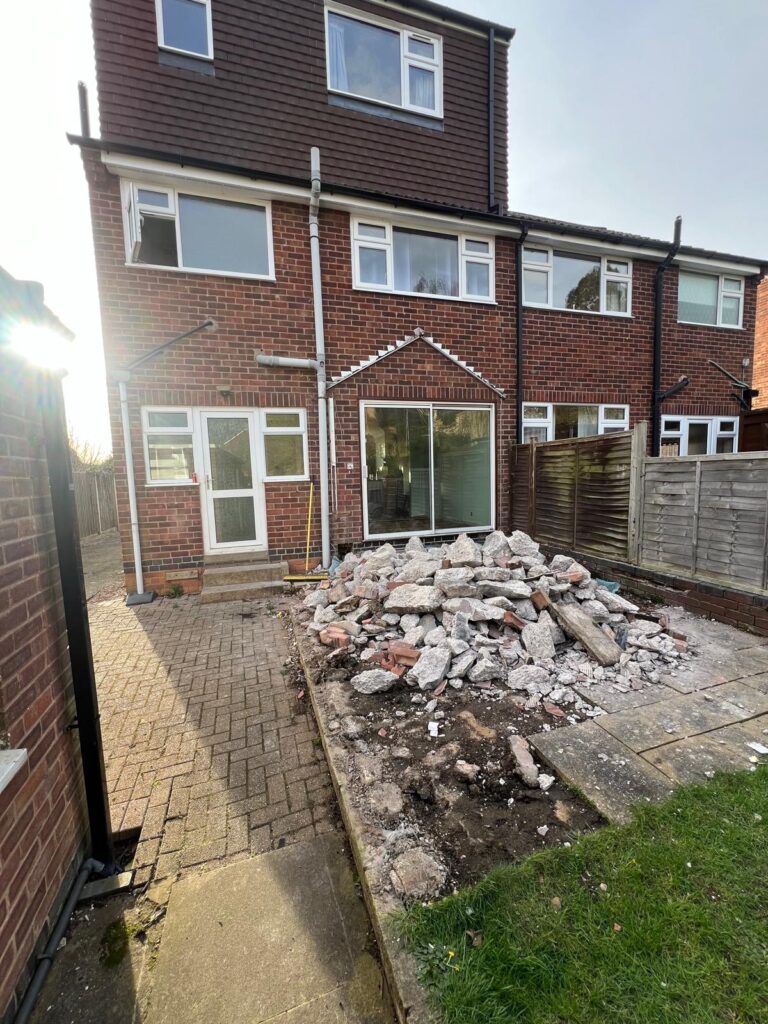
{"points": [[122, 390], [491, 119], [520, 323], [657, 332], [322, 401]]}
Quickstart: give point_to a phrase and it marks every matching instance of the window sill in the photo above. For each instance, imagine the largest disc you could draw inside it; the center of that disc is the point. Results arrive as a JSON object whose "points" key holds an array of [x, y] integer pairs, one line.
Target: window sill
{"points": [[580, 312], [423, 295], [11, 763], [712, 327], [205, 273], [172, 483], [427, 533], [433, 122], [186, 53], [285, 479], [187, 62]]}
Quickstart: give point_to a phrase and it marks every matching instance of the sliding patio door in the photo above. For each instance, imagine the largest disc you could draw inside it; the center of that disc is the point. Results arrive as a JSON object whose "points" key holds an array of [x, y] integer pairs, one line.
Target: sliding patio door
{"points": [[427, 469]]}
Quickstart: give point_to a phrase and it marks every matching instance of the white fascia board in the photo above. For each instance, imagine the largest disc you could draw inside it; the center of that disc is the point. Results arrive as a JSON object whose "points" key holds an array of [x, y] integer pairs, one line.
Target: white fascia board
{"points": [[575, 243], [400, 214], [716, 266], [445, 22], [176, 175]]}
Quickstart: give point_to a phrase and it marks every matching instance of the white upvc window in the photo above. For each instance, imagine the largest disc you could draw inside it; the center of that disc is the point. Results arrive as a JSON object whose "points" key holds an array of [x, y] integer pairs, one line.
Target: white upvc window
{"points": [[184, 26], [699, 435], [169, 455], [394, 258], [577, 281], [285, 444], [716, 300], [179, 229], [374, 59], [551, 421]]}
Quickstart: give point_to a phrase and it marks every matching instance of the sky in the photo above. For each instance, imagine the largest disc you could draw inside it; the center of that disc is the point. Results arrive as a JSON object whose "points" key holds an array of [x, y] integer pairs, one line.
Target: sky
{"points": [[622, 113]]}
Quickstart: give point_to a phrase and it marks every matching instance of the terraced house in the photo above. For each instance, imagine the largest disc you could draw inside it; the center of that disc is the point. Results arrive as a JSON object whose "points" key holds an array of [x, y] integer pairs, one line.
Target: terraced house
{"points": [[323, 187]]}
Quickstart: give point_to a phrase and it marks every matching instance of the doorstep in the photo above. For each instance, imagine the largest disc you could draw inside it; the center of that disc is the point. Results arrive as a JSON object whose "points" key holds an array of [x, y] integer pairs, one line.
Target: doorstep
{"points": [[408, 996]]}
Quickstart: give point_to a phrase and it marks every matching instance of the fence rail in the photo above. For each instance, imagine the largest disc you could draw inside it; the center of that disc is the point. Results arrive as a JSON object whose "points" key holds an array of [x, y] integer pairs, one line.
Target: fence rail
{"points": [[95, 501], [703, 517]]}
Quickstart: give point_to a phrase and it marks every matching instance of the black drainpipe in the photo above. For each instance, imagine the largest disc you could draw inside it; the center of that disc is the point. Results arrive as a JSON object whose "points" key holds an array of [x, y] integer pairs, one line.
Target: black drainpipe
{"points": [[519, 356], [656, 399], [491, 119]]}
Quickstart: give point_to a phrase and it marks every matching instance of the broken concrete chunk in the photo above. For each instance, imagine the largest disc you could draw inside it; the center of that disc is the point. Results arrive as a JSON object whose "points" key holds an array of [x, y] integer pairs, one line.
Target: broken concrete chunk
{"points": [[485, 669], [526, 610], [521, 544], [408, 622], [596, 610], [415, 547], [462, 664], [384, 555], [316, 599], [417, 569], [386, 801], [353, 727], [525, 766], [537, 640], [431, 668], [464, 551], [456, 582], [466, 771], [414, 637], [614, 602], [417, 875], [496, 547], [560, 563], [411, 598], [558, 636], [374, 680], [513, 590], [527, 675], [495, 573], [435, 637], [474, 609]]}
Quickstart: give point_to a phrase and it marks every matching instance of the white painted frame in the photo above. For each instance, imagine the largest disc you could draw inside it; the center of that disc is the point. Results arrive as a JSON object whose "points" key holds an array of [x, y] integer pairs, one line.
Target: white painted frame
{"points": [[717, 427], [430, 406], [132, 210], [210, 545], [187, 431], [300, 431], [548, 268], [406, 60], [175, 49], [722, 292], [613, 426], [386, 244]]}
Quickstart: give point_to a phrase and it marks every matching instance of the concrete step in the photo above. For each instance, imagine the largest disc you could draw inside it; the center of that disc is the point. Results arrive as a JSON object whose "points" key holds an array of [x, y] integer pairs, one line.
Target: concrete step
{"points": [[242, 573], [225, 558], [240, 591]]}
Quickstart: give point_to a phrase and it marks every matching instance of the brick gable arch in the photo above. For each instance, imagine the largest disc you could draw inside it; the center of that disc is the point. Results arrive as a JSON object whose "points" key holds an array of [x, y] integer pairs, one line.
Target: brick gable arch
{"points": [[414, 373]]}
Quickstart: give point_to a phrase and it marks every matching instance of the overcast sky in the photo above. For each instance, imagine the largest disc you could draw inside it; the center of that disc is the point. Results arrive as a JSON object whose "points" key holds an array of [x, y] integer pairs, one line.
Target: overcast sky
{"points": [[623, 113]]}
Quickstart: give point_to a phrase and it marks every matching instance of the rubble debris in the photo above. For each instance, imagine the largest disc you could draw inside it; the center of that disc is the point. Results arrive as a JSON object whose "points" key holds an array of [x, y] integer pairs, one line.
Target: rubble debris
{"points": [[374, 680], [525, 766], [416, 874], [580, 625]]}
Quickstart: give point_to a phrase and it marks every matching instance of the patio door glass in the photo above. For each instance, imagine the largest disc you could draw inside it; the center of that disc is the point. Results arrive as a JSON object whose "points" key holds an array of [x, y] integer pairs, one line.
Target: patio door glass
{"points": [[232, 491]]}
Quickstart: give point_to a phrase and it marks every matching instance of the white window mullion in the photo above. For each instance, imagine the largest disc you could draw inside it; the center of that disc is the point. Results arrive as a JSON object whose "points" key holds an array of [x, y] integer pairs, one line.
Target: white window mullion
{"points": [[431, 469]]}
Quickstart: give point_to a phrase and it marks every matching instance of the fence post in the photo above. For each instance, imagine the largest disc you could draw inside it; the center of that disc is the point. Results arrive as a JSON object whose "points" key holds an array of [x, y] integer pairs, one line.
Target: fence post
{"points": [[575, 524], [765, 547], [532, 490], [96, 479], [636, 471], [696, 503]]}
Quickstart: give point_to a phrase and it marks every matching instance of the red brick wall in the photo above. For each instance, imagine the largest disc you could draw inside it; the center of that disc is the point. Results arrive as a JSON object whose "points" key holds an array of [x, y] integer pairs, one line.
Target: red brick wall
{"points": [[568, 357], [41, 818], [760, 372]]}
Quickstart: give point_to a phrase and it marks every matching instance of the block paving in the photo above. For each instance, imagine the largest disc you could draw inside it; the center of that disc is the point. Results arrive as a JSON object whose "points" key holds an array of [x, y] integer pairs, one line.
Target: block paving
{"points": [[209, 753]]}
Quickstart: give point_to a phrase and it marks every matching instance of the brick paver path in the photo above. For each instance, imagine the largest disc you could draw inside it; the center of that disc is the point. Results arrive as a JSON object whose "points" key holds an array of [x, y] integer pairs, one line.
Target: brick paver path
{"points": [[208, 750]]}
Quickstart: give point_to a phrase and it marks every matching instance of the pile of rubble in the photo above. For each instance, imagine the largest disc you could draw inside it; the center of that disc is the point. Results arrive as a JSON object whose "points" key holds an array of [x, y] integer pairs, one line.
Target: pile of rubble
{"points": [[490, 616]]}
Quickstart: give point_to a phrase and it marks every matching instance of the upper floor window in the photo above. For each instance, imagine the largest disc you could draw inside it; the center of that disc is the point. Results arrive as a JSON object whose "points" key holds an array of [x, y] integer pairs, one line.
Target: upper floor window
{"points": [[185, 26], [545, 421], [378, 60], [170, 228], [398, 259], [566, 280], [714, 299]]}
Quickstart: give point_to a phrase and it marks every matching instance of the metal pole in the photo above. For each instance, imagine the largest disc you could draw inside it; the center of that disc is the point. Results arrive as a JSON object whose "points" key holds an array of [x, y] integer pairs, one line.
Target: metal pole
{"points": [[131, 481], [76, 615], [322, 401]]}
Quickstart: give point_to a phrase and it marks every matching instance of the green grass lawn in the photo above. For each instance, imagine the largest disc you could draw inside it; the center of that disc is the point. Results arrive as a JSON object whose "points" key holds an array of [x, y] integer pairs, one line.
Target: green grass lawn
{"points": [[659, 922]]}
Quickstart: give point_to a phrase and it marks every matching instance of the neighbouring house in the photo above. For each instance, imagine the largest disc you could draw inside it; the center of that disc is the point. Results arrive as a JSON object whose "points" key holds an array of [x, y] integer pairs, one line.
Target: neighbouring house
{"points": [[43, 825], [452, 326]]}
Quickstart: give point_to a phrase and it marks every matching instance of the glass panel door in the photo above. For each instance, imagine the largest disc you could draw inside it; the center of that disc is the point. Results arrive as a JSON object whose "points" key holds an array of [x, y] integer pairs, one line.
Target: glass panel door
{"points": [[233, 497], [698, 437], [462, 467], [397, 470]]}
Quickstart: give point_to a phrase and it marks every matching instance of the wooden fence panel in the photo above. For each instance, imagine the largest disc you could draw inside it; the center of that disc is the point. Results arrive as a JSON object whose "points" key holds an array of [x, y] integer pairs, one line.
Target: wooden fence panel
{"points": [[95, 501], [555, 493], [603, 496], [519, 476]]}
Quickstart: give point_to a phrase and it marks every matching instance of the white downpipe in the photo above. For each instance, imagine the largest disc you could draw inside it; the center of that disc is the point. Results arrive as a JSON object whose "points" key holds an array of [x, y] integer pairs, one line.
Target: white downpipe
{"points": [[322, 403], [134, 511]]}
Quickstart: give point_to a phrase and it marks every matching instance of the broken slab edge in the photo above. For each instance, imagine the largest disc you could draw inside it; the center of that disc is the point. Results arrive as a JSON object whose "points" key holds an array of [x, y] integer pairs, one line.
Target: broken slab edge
{"points": [[406, 993]]}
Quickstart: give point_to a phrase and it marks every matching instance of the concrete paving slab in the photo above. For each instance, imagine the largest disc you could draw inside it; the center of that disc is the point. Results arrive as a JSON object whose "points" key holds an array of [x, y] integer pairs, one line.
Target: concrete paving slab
{"points": [[758, 682], [717, 664], [724, 750], [611, 700], [603, 769], [279, 937], [710, 630], [685, 715]]}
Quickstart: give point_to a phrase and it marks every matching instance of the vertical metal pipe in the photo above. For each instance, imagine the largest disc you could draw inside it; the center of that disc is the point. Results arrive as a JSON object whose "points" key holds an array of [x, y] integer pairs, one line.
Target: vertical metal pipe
{"points": [[76, 615], [322, 401], [520, 347], [131, 481], [85, 118], [491, 118], [658, 321]]}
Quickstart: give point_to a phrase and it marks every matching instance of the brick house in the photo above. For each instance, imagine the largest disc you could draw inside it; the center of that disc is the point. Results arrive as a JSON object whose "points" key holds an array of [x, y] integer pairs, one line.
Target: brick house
{"points": [[760, 371], [452, 327]]}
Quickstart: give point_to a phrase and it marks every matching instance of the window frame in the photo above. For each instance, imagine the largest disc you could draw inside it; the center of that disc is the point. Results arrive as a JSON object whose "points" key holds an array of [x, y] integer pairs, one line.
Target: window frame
{"points": [[407, 60], [548, 267], [300, 431], [386, 244], [188, 431], [431, 406], [602, 422], [162, 45], [722, 293], [132, 210], [716, 430]]}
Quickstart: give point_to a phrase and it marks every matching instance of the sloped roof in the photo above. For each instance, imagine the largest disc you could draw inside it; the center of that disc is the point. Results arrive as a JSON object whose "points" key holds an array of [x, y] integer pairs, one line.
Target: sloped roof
{"points": [[398, 346]]}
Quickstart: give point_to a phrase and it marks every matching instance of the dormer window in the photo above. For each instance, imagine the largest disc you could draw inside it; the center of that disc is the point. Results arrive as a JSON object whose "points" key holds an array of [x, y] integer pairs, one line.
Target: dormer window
{"points": [[184, 26], [377, 60]]}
